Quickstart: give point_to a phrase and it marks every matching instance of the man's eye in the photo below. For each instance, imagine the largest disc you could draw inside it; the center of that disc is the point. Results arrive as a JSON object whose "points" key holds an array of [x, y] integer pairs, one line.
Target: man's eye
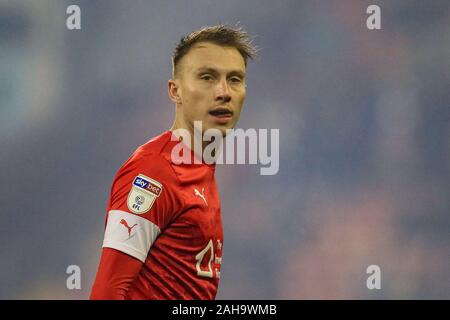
{"points": [[235, 79], [206, 77]]}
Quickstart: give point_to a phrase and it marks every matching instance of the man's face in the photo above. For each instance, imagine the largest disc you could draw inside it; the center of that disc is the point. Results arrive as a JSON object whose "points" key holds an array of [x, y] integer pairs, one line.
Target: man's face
{"points": [[211, 86]]}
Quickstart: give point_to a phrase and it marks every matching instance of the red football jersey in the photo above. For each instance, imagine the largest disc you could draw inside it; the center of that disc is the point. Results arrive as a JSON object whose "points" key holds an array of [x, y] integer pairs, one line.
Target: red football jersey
{"points": [[168, 216]]}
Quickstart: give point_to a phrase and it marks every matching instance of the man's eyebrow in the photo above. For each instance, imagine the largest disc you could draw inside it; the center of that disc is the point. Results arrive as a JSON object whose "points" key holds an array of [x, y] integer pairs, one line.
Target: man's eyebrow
{"points": [[215, 71], [238, 73]]}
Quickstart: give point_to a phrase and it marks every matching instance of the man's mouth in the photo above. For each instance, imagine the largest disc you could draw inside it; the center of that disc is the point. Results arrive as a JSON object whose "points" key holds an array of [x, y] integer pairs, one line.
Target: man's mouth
{"points": [[221, 112], [221, 115]]}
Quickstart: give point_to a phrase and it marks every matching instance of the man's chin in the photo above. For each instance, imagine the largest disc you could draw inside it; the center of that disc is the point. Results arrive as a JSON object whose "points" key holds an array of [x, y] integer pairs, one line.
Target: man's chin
{"points": [[215, 128], [215, 131]]}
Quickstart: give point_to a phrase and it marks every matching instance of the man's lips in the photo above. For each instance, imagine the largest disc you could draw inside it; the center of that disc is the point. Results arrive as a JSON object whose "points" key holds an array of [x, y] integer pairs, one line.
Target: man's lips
{"points": [[221, 115], [221, 112]]}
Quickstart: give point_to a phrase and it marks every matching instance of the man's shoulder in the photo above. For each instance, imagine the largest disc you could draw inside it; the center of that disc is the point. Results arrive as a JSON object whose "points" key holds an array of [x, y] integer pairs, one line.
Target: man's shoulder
{"points": [[151, 158], [155, 146]]}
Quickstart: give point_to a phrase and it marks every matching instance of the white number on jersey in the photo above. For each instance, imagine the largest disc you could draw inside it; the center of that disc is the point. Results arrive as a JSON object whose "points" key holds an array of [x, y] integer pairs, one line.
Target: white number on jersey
{"points": [[199, 257]]}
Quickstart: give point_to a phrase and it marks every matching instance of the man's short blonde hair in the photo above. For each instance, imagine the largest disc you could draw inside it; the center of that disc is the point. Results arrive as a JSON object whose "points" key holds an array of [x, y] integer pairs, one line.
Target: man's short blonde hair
{"points": [[220, 34]]}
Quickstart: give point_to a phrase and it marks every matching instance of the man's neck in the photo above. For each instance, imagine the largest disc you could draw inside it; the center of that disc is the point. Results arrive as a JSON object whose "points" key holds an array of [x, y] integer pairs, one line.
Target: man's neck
{"points": [[195, 139]]}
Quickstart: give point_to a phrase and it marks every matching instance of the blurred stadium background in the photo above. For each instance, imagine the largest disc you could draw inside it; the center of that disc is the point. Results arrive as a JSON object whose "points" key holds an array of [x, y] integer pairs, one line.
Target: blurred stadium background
{"points": [[364, 119]]}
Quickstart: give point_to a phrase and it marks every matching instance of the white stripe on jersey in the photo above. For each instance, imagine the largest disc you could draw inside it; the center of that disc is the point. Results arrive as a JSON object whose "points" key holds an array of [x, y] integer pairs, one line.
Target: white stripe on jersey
{"points": [[130, 234]]}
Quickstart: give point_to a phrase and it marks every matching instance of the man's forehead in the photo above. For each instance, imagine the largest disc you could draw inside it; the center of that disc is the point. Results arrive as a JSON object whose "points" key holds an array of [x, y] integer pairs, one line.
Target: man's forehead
{"points": [[210, 55]]}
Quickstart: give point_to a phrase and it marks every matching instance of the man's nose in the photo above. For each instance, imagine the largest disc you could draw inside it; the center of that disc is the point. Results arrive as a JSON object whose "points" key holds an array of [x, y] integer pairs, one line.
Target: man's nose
{"points": [[223, 92]]}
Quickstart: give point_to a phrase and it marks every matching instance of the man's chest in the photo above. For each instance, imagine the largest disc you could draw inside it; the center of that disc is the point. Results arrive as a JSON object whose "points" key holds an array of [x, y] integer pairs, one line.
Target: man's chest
{"points": [[200, 219], [195, 236]]}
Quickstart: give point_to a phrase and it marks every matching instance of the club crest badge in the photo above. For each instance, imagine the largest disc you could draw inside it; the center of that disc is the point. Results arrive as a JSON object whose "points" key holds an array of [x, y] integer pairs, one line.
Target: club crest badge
{"points": [[143, 194]]}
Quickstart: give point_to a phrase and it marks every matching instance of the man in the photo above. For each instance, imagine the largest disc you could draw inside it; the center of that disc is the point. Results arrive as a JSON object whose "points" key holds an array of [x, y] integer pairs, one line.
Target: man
{"points": [[163, 237]]}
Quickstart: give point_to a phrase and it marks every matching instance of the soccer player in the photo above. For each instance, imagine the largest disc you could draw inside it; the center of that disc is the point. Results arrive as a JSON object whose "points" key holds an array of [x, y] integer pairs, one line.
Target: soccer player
{"points": [[163, 236]]}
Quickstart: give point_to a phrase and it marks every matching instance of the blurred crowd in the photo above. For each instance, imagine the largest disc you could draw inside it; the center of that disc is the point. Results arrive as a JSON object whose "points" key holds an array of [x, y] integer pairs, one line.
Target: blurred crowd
{"points": [[364, 119]]}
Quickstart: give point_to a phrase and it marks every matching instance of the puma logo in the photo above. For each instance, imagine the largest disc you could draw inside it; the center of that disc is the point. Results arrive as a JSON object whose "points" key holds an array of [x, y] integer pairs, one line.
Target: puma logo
{"points": [[201, 195], [124, 222]]}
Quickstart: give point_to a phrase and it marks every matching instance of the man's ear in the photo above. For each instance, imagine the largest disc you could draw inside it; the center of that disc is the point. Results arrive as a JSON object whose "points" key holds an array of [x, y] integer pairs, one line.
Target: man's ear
{"points": [[174, 91]]}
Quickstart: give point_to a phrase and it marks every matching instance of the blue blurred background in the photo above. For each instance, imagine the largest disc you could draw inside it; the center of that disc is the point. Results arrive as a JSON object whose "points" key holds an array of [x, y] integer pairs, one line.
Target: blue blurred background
{"points": [[364, 119]]}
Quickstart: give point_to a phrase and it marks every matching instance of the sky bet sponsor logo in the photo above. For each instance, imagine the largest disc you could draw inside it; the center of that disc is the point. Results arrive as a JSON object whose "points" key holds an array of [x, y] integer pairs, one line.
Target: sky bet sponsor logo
{"points": [[143, 194], [147, 185], [141, 182]]}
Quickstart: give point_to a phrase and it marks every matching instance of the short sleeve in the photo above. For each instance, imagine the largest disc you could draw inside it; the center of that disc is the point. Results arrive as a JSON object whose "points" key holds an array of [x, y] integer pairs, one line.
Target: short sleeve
{"points": [[143, 201]]}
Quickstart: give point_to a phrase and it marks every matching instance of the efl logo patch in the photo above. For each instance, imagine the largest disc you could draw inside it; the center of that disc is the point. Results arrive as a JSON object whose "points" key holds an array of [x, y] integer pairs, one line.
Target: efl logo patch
{"points": [[143, 194]]}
